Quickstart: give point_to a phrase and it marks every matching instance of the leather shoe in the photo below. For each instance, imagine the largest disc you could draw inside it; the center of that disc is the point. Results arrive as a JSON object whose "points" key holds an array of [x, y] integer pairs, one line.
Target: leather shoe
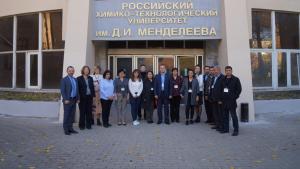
{"points": [[67, 133], [73, 131]]}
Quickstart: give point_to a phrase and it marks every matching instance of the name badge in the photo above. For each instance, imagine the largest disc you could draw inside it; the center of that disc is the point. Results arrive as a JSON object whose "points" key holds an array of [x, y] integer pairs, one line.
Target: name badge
{"points": [[175, 86], [212, 86], [122, 89], [190, 90], [151, 89], [226, 90]]}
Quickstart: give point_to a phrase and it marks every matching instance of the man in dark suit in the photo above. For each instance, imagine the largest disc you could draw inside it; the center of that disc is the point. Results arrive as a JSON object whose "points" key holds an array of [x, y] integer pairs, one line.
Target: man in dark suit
{"points": [[216, 98], [162, 94], [208, 79], [232, 88], [69, 92]]}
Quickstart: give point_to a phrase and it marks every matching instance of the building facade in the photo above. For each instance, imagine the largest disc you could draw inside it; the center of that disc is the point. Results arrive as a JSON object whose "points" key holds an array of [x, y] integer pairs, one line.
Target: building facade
{"points": [[258, 38]]}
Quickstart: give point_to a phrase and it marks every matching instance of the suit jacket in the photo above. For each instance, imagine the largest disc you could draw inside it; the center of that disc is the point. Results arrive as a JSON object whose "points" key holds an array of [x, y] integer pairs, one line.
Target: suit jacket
{"points": [[234, 87], [195, 90], [82, 86], [66, 88], [147, 93], [216, 90], [157, 85]]}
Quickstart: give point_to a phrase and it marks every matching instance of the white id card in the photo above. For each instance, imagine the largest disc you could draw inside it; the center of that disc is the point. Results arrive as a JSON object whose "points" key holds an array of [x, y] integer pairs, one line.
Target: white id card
{"points": [[226, 90], [122, 89], [190, 90], [175, 86], [212, 86], [151, 89]]}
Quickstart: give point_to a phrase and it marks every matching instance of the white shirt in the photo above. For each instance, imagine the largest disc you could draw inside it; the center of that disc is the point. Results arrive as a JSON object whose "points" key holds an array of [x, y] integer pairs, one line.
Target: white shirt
{"points": [[200, 81], [135, 87], [97, 79]]}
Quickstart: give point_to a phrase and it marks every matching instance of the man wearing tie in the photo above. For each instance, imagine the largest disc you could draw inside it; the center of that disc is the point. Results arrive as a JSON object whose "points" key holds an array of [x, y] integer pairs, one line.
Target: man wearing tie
{"points": [[162, 94], [69, 92]]}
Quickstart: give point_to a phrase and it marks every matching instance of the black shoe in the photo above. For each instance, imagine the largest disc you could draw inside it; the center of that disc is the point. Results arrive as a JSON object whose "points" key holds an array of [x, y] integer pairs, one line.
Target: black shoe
{"points": [[191, 122], [159, 122], [81, 128], [73, 131], [89, 128], [109, 125], [207, 122], [223, 132], [197, 120], [187, 122], [67, 133], [235, 133], [167, 123], [105, 126], [98, 122], [215, 127], [92, 122]]}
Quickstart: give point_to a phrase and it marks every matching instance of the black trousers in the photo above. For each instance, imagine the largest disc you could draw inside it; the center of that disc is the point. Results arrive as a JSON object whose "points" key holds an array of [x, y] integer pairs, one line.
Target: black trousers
{"points": [[208, 110], [163, 102], [218, 114], [175, 107], [189, 111], [149, 108], [106, 105], [135, 105], [69, 115], [85, 108], [235, 122]]}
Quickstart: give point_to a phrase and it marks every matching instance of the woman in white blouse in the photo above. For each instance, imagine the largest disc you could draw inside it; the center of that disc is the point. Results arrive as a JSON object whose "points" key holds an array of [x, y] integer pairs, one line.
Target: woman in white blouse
{"points": [[135, 88]]}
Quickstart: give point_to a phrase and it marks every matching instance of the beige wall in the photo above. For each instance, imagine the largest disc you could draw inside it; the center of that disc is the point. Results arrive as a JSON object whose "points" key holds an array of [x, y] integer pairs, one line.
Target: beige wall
{"points": [[234, 48], [279, 5]]}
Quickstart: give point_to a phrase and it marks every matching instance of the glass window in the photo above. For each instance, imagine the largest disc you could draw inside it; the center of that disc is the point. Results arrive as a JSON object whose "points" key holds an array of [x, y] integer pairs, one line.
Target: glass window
{"points": [[194, 44], [33, 69], [261, 29], [173, 44], [295, 68], [287, 30], [20, 79], [116, 44], [111, 65], [136, 44], [52, 69], [185, 63], [6, 34], [6, 70], [156, 44], [52, 30], [27, 32], [282, 69], [261, 65]]}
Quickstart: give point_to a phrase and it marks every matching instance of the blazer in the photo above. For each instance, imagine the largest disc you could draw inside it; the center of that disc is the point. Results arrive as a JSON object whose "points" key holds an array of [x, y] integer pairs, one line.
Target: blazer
{"points": [[147, 92], [82, 86], [185, 90], [157, 85], [216, 89], [66, 88]]}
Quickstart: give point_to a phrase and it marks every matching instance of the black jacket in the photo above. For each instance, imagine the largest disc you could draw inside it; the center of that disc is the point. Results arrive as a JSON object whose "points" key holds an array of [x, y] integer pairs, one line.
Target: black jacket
{"points": [[147, 92], [234, 87], [216, 91], [82, 86], [207, 84]]}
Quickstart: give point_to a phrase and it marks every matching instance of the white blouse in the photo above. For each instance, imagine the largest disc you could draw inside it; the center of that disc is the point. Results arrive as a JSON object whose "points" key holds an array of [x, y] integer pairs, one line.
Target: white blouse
{"points": [[135, 87], [200, 81]]}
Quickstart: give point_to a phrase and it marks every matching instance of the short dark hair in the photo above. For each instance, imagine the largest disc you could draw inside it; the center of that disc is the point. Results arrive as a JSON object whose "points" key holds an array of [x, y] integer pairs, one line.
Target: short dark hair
{"points": [[228, 67], [142, 65], [106, 72], [132, 75], [70, 67], [190, 70], [175, 68], [206, 66], [85, 67], [121, 70]]}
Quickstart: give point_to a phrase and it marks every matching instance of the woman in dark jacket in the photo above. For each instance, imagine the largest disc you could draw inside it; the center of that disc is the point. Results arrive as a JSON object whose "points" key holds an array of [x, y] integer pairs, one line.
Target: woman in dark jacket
{"points": [[148, 96], [189, 92], [175, 86], [86, 93]]}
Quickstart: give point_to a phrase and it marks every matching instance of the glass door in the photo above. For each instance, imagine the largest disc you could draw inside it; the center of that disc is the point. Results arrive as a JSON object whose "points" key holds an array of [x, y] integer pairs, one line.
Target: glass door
{"points": [[184, 63], [33, 70], [124, 62], [147, 60], [167, 60]]}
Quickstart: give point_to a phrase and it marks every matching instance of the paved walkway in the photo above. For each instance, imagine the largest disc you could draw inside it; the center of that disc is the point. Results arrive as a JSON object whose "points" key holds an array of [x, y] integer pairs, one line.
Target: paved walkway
{"points": [[273, 142]]}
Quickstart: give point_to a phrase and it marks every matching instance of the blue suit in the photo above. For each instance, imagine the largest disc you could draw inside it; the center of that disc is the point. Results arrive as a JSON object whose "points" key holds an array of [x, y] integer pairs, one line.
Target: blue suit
{"points": [[70, 108], [163, 96]]}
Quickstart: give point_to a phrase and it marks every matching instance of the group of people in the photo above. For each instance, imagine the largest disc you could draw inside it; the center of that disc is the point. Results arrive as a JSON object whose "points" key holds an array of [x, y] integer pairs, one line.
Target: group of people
{"points": [[145, 91]]}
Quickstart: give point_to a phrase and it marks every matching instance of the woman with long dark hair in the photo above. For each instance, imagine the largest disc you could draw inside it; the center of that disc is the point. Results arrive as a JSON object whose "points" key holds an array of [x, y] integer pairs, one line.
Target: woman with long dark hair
{"points": [[148, 96]]}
